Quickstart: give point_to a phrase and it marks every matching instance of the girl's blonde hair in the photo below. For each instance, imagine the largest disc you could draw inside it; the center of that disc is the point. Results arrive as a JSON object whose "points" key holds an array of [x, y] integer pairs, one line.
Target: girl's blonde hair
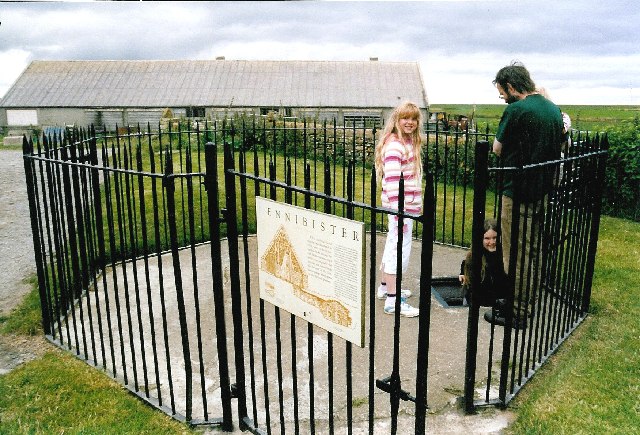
{"points": [[392, 131]]}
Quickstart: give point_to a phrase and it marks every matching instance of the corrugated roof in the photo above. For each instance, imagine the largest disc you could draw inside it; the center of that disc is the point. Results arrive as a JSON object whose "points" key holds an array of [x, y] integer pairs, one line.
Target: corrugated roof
{"points": [[216, 83]]}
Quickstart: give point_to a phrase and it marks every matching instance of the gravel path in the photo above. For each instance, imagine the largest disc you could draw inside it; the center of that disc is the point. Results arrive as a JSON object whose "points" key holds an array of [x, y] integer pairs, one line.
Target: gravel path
{"points": [[16, 244], [16, 259]]}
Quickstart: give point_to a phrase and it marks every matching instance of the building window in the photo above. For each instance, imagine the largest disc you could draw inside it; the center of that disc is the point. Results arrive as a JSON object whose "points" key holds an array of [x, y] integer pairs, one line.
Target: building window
{"points": [[195, 112], [362, 120], [264, 111]]}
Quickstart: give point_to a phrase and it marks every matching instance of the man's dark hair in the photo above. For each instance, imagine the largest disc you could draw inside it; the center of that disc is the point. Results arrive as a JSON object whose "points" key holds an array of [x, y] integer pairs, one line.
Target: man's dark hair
{"points": [[516, 75]]}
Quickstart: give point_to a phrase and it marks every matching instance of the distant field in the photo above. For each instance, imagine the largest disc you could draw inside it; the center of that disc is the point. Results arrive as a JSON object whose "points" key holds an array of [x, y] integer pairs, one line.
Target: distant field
{"points": [[582, 117]]}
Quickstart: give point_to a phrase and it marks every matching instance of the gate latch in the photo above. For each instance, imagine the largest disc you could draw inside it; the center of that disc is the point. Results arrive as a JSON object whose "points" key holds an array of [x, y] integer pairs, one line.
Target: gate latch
{"points": [[385, 385]]}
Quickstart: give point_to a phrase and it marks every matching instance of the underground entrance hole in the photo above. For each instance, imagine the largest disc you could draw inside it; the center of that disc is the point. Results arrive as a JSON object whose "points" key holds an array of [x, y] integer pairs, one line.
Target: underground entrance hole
{"points": [[448, 291]]}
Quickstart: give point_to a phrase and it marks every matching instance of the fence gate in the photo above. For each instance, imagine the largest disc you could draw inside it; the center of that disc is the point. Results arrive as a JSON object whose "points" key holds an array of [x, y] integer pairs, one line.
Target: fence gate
{"points": [[292, 376], [550, 266]]}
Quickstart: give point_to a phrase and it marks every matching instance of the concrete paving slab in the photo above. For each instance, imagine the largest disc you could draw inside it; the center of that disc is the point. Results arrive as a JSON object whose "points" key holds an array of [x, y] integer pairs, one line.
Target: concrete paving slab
{"points": [[141, 299]]}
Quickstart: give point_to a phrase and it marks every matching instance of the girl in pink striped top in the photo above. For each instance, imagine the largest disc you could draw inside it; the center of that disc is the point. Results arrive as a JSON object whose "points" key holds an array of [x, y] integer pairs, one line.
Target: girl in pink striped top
{"points": [[398, 154]]}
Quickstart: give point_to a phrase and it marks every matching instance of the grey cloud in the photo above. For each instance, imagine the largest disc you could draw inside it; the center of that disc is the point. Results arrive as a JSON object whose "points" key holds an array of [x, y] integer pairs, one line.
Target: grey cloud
{"points": [[480, 35], [111, 30]]}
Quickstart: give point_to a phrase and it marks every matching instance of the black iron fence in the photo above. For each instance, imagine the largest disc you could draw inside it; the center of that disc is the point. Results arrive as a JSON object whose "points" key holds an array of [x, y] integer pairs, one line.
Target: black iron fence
{"points": [[549, 256], [276, 348], [146, 258]]}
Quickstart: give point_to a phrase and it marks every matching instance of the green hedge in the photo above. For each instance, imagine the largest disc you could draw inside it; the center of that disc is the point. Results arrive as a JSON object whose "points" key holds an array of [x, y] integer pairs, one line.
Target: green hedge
{"points": [[621, 192], [621, 196]]}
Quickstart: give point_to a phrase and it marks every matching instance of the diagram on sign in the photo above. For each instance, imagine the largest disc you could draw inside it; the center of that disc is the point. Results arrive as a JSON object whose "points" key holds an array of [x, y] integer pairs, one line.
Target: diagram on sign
{"points": [[281, 260], [312, 265]]}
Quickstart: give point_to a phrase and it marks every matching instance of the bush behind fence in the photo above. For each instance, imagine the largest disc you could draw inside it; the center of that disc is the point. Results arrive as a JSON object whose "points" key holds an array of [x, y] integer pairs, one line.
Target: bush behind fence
{"points": [[622, 183]]}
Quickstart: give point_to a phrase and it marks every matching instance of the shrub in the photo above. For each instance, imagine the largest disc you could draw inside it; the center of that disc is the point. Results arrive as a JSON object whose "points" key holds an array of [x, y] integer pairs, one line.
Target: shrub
{"points": [[621, 196]]}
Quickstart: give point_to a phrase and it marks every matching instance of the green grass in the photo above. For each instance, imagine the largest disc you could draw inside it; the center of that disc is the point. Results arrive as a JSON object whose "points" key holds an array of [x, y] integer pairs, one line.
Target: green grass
{"points": [[123, 191], [60, 394], [26, 319], [123, 241], [10, 147], [591, 386]]}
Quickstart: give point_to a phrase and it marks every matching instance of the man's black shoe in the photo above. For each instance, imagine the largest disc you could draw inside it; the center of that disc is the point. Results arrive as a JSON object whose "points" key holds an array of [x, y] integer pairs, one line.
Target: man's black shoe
{"points": [[494, 318]]}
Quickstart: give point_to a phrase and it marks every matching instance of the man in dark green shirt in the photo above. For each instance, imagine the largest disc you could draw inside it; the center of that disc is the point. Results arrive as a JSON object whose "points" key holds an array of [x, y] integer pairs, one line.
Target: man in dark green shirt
{"points": [[529, 133]]}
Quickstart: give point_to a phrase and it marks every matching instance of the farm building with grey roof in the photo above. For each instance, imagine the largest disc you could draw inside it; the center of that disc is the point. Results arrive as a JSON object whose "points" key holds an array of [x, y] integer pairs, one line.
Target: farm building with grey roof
{"points": [[126, 92]]}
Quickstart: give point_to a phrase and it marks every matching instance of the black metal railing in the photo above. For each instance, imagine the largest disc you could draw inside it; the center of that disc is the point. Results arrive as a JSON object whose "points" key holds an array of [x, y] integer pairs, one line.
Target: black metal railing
{"points": [[135, 276], [107, 220], [327, 373], [550, 268]]}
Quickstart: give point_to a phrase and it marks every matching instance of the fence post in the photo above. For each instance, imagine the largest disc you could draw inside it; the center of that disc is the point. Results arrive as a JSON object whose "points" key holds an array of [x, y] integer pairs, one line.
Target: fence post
{"points": [[372, 289], [595, 224], [330, 358], [394, 380], [211, 186], [349, 349], [71, 225], [27, 150], [169, 185], [74, 288], [424, 320], [481, 176], [99, 225], [82, 279], [231, 217]]}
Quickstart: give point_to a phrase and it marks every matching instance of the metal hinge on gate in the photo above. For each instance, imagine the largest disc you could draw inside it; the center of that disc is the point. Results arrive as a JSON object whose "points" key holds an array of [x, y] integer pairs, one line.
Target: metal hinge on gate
{"points": [[223, 216], [234, 390], [385, 385]]}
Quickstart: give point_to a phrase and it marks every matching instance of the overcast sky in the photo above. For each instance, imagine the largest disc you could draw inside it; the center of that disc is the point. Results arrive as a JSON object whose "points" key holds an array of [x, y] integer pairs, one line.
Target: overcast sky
{"points": [[583, 52]]}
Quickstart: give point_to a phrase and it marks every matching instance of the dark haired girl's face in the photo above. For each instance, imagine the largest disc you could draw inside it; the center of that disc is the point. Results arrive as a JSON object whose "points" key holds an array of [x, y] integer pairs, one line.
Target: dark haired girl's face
{"points": [[490, 240]]}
